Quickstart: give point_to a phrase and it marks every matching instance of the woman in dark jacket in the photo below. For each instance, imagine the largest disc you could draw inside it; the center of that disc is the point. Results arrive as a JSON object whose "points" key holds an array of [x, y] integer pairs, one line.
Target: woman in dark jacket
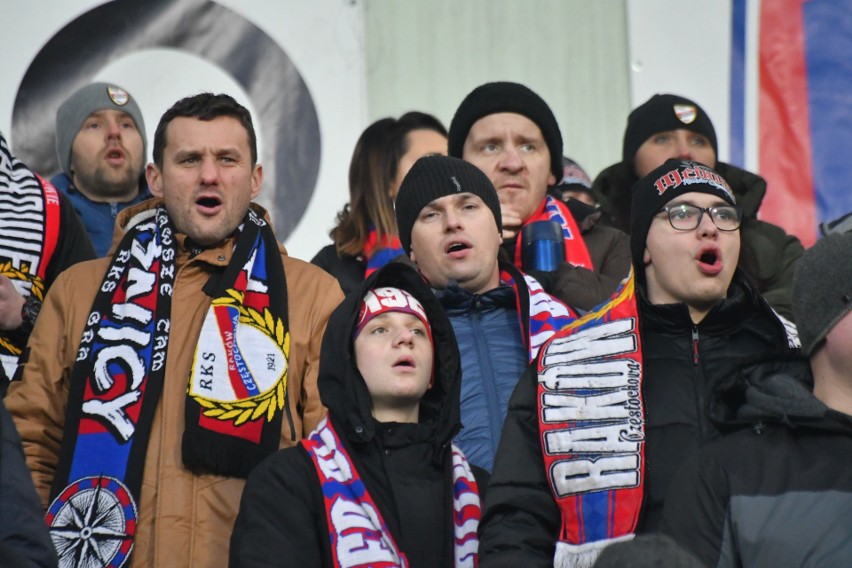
{"points": [[378, 483], [365, 237]]}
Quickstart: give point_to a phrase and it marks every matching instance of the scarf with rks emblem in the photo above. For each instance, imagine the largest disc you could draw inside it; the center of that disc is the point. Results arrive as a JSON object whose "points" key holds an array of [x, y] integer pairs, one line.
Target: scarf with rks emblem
{"points": [[235, 397]]}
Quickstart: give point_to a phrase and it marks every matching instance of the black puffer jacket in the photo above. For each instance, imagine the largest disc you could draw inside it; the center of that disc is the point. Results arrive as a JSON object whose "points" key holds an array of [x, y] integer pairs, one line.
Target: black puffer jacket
{"points": [[684, 364], [768, 255], [777, 493], [521, 522], [405, 467]]}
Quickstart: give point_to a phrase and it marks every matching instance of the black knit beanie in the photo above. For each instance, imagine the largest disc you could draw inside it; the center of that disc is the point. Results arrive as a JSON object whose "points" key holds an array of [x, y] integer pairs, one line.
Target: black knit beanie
{"points": [[822, 288], [652, 192], [492, 98], [433, 177], [662, 113]]}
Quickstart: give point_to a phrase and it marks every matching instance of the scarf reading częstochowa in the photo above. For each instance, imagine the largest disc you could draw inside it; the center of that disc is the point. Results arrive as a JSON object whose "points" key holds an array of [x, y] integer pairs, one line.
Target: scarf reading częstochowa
{"points": [[236, 396]]}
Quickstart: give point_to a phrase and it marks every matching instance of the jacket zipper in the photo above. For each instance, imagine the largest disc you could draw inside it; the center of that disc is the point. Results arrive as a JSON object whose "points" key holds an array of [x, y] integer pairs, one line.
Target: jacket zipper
{"points": [[699, 387], [486, 374], [694, 345]]}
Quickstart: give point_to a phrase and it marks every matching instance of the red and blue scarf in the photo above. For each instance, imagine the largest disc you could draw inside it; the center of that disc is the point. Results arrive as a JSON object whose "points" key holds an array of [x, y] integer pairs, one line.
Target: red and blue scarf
{"points": [[541, 315], [551, 209], [592, 427], [29, 230], [359, 535], [118, 377], [378, 252]]}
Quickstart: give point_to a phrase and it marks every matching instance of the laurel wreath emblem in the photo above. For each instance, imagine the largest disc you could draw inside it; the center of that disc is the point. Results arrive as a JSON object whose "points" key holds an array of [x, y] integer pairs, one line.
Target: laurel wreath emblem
{"points": [[37, 290], [266, 403]]}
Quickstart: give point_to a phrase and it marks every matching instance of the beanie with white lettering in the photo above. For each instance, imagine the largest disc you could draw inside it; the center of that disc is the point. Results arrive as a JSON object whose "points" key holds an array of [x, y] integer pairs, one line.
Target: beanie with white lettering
{"points": [[652, 192]]}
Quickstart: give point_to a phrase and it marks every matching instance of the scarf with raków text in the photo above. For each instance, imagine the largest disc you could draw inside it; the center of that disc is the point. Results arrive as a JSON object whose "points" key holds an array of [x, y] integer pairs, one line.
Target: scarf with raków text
{"points": [[353, 517], [551, 209], [592, 427], [117, 380]]}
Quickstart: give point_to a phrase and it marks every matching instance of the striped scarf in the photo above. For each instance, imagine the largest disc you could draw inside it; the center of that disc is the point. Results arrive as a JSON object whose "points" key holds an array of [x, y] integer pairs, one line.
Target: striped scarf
{"points": [[29, 230], [359, 535]]}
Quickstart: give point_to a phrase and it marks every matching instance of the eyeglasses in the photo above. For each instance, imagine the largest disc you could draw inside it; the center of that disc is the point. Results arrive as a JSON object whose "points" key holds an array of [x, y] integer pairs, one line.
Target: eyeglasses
{"points": [[685, 217]]}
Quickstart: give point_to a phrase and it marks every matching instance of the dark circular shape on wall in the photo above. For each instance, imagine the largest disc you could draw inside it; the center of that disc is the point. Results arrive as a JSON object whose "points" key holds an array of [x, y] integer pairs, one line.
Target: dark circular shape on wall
{"points": [[72, 57]]}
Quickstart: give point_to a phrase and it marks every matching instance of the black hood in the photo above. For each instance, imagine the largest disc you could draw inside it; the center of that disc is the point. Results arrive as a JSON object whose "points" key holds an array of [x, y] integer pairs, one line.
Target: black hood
{"points": [[342, 388]]}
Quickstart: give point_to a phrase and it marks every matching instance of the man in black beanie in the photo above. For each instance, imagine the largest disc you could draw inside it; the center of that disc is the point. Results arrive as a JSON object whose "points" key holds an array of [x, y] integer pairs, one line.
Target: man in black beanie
{"points": [[671, 126], [450, 223], [510, 133], [778, 492], [697, 320], [699, 316]]}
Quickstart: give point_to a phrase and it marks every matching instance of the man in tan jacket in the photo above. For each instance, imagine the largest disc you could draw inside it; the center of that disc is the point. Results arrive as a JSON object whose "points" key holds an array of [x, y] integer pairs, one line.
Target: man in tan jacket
{"points": [[157, 378]]}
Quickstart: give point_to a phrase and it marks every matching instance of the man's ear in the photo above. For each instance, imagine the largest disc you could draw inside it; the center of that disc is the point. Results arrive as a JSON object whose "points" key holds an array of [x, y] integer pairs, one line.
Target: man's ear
{"points": [[411, 255], [646, 257], [256, 180], [155, 179]]}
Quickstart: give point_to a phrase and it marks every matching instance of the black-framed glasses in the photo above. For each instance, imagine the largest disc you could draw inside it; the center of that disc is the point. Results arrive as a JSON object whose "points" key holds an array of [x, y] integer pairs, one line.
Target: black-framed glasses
{"points": [[686, 217]]}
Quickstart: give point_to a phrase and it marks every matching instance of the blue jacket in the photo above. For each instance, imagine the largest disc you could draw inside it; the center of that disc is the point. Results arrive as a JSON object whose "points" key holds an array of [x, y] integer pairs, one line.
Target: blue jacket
{"points": [[99, 218], [493, 357]]}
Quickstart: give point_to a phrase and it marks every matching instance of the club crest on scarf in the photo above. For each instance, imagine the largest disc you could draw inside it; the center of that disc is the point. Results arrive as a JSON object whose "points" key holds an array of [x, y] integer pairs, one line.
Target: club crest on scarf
{"points": [[239, 373]]}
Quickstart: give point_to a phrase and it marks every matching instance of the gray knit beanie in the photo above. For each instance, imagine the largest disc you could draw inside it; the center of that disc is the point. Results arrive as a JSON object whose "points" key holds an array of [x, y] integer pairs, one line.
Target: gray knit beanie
{"points": [[89, 99], [433, 177], [822, 288]]}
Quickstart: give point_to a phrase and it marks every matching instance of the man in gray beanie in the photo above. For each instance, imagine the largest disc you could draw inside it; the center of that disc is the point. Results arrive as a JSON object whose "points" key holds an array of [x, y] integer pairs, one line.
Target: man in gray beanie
{"points": [[796, 457], [510, 133], [449, 222], [101, 147]]}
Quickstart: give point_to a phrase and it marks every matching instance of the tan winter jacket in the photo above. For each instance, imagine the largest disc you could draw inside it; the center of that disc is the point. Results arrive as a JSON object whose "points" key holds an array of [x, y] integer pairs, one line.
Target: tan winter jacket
{"points": [[184, 519]]}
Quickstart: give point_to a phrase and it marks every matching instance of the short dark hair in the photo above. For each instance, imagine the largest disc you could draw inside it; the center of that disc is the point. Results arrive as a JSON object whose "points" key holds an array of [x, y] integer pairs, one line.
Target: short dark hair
{"points": [[204, 106]]}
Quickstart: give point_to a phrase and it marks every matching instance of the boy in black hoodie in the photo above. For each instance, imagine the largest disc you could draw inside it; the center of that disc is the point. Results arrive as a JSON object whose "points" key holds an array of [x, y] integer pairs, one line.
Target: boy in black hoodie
{"points": [[379, 482]]}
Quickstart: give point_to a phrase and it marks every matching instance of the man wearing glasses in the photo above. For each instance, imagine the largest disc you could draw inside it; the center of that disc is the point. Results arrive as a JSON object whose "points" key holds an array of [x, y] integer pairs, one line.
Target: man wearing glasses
{"points": [[699, 320]]}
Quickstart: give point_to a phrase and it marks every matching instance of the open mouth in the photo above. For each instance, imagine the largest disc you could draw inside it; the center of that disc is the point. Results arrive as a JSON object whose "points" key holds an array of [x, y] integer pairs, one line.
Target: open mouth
{"points": [[709, 261], [457, 247], [405, 363], [208, 202], [708, 257]]}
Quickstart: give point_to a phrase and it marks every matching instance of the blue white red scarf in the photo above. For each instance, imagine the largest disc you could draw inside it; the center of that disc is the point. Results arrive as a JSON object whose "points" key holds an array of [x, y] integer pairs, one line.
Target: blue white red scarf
{"points": [[117, 380], [552, 209], [29, 230], [591, 421], [358, 532], [542, 315]]}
